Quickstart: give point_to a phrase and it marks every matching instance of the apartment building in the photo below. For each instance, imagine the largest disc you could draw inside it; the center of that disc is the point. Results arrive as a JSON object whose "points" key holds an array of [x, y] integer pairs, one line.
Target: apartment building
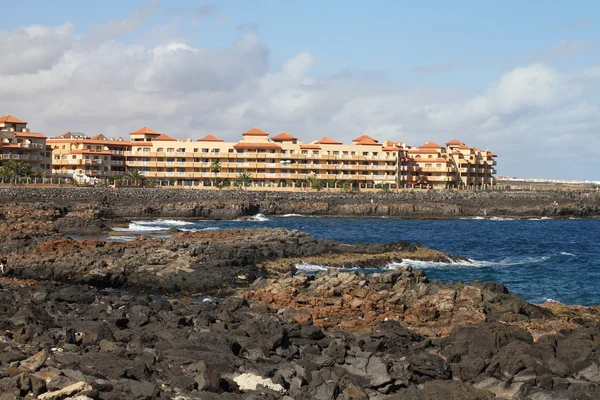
{"points": [[18, 143], [452, 165], [280, 160], [96, 156], [283, 160]]}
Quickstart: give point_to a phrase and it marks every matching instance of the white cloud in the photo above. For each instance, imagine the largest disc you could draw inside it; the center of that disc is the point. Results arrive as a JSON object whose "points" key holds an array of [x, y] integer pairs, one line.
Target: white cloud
{"points": [[95, 83]]}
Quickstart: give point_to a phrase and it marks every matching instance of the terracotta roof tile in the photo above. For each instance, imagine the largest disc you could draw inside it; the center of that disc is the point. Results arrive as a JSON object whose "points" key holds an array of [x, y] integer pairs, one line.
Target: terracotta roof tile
{"points": [[255, 132], [454, 142], [430, 145], [266, 145], [147, 131], [327, 140], [368, 141], [11, 120], [164, 137], [361, 138], [284, 137], [210, 138], [31, 135]]}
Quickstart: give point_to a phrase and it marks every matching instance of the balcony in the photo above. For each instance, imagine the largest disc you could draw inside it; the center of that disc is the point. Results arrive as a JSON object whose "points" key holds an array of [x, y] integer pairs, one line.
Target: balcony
{"points": [[117, 152], [491, 162], [181, 163], [181, 153]]}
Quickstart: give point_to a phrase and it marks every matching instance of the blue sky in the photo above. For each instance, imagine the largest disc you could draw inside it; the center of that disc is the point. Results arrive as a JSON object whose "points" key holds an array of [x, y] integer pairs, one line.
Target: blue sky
{"points": [[526, 67]]}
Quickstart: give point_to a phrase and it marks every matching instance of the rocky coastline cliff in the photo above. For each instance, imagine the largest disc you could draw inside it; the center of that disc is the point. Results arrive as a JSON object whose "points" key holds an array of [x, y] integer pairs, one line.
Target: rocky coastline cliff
{"points": [[229, 204], [81, 319]]}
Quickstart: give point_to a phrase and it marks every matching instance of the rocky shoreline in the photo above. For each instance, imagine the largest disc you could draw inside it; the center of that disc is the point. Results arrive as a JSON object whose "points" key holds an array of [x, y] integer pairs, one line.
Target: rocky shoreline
{"points": [[127, 203], [78, 321]]}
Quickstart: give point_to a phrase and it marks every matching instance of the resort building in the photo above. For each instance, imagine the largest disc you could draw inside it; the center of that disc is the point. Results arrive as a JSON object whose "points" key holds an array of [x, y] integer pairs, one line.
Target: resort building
{"points": [[19, 144], [278, 161], [96, 156]]}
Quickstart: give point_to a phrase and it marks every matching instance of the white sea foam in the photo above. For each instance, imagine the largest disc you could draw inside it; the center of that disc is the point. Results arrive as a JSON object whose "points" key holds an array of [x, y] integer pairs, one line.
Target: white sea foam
{"points": [[210, 228], [291, 215], [174, 222], [549, 300], [306, 267], [120, 238], [257, 217], [136, 227], [470, 263], [420, 264], [501, 219], [539, 219], [566, 253]]}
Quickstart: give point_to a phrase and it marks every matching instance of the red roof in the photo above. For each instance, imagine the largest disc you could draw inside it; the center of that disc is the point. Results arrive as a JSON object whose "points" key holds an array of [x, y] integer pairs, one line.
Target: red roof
{"points": [[255, 132], [284, 137], [430, 145], [423, 151], [327, 140], [464, 147], [165, 137], [12, 120], [490, 154], [310, 147], [210, 138], [31, 135], [147, 131], [454, 142], [363, 137], [98, 137], [267, 145], [391, 149], [369, 141]]}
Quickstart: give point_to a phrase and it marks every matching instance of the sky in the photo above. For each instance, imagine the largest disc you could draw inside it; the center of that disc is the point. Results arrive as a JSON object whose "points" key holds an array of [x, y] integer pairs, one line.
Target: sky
{"points": [[519, 78]]}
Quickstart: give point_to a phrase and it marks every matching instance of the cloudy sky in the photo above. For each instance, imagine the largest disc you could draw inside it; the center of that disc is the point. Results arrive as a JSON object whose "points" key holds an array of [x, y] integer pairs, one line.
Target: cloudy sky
{"points": [[520, 78]]}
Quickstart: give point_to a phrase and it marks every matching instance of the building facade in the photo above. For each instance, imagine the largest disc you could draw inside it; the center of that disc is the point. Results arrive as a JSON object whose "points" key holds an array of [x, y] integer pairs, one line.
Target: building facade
{"points": [[18, 143], [279, 161], [96, 156]]}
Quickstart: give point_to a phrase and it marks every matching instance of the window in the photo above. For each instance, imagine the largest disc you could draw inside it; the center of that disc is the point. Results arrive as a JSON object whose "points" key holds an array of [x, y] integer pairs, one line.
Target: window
{"points": [[438, 165], [195, 150], [160, 149], [427, 165], [205, 150], [365, 153], [170, 149]]}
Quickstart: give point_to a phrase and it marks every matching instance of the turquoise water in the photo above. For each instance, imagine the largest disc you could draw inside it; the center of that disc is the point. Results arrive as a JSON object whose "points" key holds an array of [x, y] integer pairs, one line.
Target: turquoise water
{"points": [[540, 260]]}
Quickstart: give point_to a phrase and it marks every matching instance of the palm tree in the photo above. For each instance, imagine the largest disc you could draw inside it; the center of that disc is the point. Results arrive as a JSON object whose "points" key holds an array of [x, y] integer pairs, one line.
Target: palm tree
{"points": [[314, 183], [243, 180], [13, 170], [134, 175], [215, 168]]}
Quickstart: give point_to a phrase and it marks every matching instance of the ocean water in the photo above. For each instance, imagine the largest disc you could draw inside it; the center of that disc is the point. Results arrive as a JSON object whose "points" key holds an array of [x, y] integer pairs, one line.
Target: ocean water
{"points": [[538, 259]]}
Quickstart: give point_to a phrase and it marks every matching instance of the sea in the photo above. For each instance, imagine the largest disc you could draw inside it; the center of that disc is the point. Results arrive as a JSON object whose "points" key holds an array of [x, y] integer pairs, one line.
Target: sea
{"points": [[541, 260]]}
